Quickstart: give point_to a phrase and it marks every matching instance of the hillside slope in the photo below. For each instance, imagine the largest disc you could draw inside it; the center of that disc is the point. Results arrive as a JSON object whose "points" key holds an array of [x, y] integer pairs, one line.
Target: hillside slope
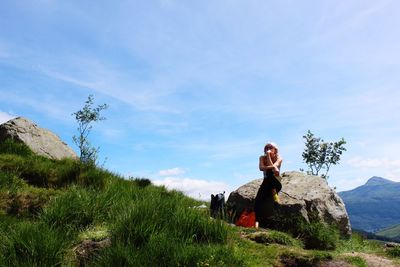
{"points": [[392, 232], [373, 206]]}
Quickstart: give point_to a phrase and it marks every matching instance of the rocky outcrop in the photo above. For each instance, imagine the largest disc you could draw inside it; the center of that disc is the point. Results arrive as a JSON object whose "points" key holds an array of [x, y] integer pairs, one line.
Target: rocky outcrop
{"points": [[305, 196], [39, 140]]}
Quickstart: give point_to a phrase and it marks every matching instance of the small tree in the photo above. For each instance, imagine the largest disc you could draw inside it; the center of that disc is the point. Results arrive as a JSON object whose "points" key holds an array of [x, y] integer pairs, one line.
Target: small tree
{"points": [[320, 155], [85, 117]]}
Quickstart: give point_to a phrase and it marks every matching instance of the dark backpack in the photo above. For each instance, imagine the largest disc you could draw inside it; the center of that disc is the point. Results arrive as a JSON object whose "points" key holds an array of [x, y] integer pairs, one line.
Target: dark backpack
{"points": [[217, 205]]}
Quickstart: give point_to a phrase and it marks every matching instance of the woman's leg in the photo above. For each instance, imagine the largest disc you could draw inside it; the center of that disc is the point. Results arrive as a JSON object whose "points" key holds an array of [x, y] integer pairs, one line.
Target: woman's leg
{"points": [[275, 195]]}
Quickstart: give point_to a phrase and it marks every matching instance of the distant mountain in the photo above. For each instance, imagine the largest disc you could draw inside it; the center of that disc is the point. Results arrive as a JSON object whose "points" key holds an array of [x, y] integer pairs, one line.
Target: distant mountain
{"points": [[373, 206]]}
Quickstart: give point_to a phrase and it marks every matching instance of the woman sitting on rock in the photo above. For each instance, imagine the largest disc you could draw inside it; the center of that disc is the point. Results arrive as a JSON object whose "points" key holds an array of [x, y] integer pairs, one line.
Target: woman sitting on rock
{"points": [[270, 164]]}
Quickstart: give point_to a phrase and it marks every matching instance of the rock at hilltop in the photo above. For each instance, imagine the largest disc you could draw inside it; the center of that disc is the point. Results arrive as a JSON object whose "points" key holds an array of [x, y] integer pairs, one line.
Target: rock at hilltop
{"points": [[39, 140], [302, 195]]}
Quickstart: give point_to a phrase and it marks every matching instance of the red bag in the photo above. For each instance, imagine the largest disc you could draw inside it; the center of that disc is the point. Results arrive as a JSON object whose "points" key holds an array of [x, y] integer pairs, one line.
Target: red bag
{"points": [[247, 219]]}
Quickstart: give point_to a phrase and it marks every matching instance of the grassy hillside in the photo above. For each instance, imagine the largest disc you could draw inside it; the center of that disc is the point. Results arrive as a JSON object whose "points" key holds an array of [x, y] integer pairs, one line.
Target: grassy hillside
{"points": [[390, 232], [49, 209]]}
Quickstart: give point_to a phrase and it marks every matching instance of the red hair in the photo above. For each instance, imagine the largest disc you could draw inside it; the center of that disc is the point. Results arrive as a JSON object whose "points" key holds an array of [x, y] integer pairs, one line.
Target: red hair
{"points": [[269, 146]]}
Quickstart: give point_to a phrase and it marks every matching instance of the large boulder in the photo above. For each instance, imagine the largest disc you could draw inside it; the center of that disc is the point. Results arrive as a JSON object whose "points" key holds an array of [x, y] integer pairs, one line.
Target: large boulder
{"points": [[305, 196], [39, 140]]}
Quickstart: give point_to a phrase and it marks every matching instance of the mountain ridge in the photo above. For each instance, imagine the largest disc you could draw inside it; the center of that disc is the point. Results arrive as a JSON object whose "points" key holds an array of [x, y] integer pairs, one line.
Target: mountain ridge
{"points": [[374, 205], [376, 180]]}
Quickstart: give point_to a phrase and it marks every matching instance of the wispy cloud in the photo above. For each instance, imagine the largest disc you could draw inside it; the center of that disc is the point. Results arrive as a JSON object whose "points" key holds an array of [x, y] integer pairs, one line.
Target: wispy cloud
{"points": [[372, 163], [171, 172], [48, 104]]}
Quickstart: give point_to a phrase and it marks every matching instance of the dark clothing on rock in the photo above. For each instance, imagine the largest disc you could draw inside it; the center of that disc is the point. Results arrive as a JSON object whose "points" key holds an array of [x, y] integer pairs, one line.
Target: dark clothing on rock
{"points": [[264, 203]]}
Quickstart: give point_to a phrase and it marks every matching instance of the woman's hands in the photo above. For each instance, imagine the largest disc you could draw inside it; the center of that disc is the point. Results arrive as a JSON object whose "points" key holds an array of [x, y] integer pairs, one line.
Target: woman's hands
{"points": [[276, 171], [272, 154]]}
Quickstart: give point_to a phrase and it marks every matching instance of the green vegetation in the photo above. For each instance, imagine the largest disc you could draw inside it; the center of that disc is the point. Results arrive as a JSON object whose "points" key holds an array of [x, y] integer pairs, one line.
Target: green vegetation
{"points": [[43, 223], [357, 243], [304, 259], [320, 155], [85, 118], [356, 261], [274, 237], [317, 235], [394, 252]]}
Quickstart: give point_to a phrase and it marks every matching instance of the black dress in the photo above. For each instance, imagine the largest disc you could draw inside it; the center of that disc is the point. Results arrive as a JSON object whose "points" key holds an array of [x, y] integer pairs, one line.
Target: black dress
{"points": [[264, 203]]}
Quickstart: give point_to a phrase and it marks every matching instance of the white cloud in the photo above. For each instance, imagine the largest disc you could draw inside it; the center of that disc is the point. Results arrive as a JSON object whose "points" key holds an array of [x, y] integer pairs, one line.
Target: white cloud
{"points": [[47, 104], [370, 163], [5, 117], [349, 184], [171, 172], [196, 188], [393, 175]]}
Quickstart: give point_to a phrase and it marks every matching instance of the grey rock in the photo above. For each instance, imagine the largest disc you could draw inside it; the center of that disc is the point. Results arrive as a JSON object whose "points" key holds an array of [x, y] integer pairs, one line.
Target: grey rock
{"points": [[39, 140], [302, 195]]}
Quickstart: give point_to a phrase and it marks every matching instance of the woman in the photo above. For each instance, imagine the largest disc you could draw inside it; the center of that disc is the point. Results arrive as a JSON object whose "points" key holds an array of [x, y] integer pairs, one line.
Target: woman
{"points": [[270, 164]]}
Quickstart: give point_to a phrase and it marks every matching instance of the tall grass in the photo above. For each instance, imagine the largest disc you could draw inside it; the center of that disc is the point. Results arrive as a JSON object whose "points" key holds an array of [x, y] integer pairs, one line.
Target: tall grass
{"points": [[159, 229], [317, 235], [357, 243], [40, 171], [72, 209], [10, 182], [32, 244], [44, 172], [9, 146]]}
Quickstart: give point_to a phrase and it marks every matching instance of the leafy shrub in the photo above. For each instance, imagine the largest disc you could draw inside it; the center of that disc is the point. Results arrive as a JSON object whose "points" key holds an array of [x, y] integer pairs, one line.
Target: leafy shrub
{"points": [[319, 236], [9, 146], [32, 244], [141, 182]]}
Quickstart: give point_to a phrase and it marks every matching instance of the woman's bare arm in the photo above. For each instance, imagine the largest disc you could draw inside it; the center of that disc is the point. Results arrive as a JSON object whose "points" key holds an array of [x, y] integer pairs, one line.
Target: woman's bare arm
{"points": [[278, 163], [264, 166]]}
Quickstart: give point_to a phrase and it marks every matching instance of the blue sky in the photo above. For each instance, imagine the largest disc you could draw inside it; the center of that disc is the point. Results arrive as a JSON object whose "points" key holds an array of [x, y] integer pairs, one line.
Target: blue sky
{"points": [[196, 88]]}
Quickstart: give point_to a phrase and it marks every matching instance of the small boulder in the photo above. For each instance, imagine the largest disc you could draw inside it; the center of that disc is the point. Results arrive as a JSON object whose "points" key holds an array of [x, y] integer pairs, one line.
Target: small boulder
{"points": [[302, 195], [88, 249], [39, 140]]}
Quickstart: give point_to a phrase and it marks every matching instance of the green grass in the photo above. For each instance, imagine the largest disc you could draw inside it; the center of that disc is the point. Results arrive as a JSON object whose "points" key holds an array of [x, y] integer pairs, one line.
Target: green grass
{"points": [[358, 244], [32, 244], [356, 261], [11, 147], [317, 235], [274, 237], [394, 252]]}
